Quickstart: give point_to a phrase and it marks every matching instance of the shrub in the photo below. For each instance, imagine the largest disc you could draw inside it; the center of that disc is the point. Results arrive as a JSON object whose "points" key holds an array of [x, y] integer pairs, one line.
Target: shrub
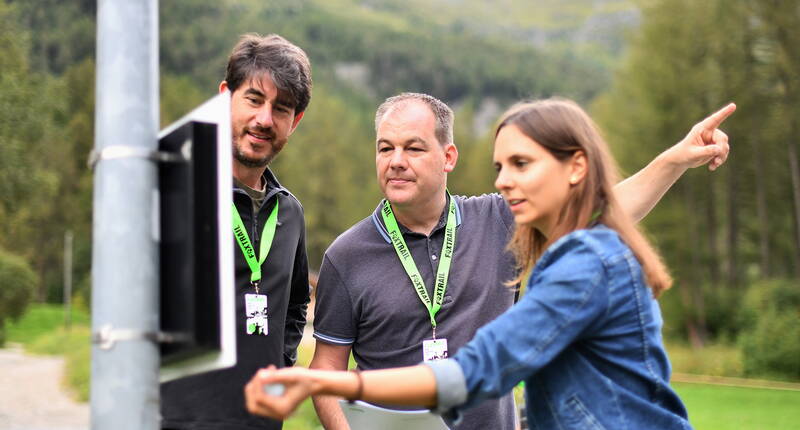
{"points": [[770, 340], [772, 347], [17, 283]]}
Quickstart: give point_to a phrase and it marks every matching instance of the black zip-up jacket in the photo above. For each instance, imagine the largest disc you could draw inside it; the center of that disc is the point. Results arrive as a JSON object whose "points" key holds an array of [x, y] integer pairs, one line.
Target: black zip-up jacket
{"points": [[215, 400]]}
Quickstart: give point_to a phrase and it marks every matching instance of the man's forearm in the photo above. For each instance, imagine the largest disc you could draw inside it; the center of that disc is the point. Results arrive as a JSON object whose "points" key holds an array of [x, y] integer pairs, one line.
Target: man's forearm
{"points": [[330, 357], [640, 193], [330, 414]]}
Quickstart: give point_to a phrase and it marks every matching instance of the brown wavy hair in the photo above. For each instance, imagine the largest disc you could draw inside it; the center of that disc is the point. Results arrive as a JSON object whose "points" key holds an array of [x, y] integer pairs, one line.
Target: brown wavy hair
{"points": [[563, 129], [288, 66]]}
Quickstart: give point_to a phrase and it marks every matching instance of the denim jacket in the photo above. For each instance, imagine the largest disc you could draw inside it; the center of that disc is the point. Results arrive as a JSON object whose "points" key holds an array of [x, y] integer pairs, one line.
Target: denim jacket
{"points": [[585, 338]]}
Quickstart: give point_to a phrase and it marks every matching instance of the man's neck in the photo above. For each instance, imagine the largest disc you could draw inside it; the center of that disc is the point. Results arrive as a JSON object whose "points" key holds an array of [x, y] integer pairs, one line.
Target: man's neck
{"points": [[421, 218], [250, 176]]}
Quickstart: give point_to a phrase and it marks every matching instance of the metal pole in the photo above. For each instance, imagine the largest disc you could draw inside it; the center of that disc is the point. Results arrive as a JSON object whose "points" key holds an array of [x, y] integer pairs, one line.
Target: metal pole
{"points": [[68, 279], [124, 384]]}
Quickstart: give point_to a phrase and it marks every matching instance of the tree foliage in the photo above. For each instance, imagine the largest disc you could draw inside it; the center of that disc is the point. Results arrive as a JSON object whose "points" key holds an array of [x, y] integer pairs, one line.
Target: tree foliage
{"points": [[17, 283], [46, 132], [722, 231]]}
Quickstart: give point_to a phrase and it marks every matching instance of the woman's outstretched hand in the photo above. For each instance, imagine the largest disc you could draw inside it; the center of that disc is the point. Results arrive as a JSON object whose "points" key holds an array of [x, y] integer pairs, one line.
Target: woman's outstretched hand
{"points": [[705, 143], [263, 395]]}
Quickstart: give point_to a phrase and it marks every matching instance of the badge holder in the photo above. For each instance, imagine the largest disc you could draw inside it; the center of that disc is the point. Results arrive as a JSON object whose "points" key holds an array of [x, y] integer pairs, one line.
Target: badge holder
{"points": [[255, 308], [434, 349]]}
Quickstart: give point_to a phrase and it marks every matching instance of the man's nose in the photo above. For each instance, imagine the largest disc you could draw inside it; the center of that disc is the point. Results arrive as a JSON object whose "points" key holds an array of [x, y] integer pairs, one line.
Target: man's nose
{"points": [[264, 116], [398, 159]]}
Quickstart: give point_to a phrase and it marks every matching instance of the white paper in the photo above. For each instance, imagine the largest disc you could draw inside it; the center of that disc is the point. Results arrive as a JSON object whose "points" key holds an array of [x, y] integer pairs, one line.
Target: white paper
{"points": [[364, 416]]}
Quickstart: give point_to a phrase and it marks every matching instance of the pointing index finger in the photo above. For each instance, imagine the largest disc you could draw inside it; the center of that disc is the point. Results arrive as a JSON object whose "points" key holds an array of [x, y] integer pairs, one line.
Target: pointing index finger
{"points": [[715, 119]]}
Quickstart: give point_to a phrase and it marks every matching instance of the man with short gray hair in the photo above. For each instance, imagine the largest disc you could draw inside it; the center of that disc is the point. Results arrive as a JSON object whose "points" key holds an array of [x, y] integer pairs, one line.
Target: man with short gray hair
{"points": [[442, 114], [418, 277]]}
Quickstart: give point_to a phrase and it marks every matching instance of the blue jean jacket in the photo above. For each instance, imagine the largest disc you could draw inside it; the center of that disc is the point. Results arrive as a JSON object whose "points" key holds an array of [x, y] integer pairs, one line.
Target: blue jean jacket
{"points": [[585, 338]]}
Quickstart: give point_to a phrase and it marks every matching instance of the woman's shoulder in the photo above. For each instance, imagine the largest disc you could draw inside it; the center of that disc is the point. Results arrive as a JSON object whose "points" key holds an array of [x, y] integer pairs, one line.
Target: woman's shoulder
{"points": [[598, 242]]}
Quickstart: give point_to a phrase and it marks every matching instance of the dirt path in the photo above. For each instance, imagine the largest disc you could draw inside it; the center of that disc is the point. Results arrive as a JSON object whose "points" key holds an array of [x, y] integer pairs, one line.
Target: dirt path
{"points": [[32, 397]]}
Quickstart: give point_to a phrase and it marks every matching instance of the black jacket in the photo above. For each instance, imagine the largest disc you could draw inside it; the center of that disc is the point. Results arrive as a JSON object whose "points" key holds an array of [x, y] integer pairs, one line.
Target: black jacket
{"points": [[215, 400]]}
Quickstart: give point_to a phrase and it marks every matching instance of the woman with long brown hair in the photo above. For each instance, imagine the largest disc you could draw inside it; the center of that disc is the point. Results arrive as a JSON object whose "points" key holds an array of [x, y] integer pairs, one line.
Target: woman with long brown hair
{"points": [[585, 337]]}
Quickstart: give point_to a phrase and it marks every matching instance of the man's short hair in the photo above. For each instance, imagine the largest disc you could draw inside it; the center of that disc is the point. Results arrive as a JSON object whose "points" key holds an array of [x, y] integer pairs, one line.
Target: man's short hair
{"points": [[441, 112], [287, 65]]}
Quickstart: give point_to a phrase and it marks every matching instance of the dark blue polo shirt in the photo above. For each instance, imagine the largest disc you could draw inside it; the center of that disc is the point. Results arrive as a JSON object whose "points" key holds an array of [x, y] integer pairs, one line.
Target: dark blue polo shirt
{"points": [[365, 298]]}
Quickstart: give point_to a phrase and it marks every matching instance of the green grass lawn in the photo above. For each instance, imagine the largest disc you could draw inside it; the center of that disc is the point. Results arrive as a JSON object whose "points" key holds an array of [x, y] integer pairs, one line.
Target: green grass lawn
{"points": [[717, 407], [41, 331], [715, 360], [40, 319]]}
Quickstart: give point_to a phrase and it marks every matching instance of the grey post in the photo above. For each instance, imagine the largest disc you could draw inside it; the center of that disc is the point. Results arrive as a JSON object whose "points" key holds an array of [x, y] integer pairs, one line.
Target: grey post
{"points": [[124, 384], [67, 279]]}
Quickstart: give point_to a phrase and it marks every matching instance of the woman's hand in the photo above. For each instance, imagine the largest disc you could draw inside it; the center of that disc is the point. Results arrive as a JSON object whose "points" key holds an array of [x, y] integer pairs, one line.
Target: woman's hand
{"points": [[705, 143], [297, 385]]}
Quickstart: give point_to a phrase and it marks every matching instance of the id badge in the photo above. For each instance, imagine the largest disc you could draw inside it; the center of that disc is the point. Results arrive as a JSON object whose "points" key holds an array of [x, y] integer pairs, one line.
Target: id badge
{"points": [[255, 307], [434, 349]]}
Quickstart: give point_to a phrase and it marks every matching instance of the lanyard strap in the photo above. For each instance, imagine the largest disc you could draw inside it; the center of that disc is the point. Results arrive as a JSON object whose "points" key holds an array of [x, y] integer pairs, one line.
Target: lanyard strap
{"points": [[408, 261], [240, 232]]}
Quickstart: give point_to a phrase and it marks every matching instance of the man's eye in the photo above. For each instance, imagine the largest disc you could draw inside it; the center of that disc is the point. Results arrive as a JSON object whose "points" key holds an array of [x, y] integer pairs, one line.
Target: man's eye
{"points": [[384, 149], [520, 163]]}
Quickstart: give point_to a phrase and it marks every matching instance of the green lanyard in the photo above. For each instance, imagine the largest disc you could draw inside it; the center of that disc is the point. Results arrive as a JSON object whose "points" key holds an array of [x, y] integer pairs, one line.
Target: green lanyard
{"points": [[411, 268], [240, 232]]}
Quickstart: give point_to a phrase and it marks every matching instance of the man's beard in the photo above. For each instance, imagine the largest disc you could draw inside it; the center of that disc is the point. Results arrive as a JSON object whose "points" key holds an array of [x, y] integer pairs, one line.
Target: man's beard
{"points": [[246, 161], [249, 161]]}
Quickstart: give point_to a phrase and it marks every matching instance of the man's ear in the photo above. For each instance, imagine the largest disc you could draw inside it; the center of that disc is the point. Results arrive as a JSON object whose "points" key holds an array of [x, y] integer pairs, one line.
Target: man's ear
{"points": [[296, 121], [450, 157], [223, 86], [578, 166]]}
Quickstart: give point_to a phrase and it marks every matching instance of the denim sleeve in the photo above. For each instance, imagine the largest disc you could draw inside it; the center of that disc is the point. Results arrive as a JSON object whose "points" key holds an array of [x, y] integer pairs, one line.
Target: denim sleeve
{"points": [[451, 389], [564, 297]]}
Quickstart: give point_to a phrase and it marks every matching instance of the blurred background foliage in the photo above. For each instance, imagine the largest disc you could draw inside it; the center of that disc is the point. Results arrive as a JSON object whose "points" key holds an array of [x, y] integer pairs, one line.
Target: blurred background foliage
{"points": [[646, 69]]}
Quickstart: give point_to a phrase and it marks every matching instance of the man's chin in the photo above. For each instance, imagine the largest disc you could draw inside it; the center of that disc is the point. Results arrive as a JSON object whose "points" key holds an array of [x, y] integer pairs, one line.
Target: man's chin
{"points": [[253, 162], [399, 198]]}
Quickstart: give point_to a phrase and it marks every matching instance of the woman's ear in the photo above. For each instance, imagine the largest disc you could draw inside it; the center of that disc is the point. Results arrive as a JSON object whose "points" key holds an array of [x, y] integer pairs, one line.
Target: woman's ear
{"points": [[578, 165]]}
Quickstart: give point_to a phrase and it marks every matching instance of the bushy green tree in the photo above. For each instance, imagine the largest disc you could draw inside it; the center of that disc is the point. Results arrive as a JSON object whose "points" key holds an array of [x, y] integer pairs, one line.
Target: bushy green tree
{"points": [[46, 133], [64, 32], [770, 317], [474, 174], [17, 284], [329, 164], [718, 231], [25, 187]]}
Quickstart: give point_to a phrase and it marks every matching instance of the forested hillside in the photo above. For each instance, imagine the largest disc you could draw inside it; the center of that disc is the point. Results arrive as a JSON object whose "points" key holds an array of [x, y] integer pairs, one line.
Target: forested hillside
{"points": [[648, 69], [361, 52]]}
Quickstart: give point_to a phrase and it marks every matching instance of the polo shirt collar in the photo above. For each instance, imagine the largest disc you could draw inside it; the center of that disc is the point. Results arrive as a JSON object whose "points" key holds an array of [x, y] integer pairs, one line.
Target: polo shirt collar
{"points": [[377, 219]]}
